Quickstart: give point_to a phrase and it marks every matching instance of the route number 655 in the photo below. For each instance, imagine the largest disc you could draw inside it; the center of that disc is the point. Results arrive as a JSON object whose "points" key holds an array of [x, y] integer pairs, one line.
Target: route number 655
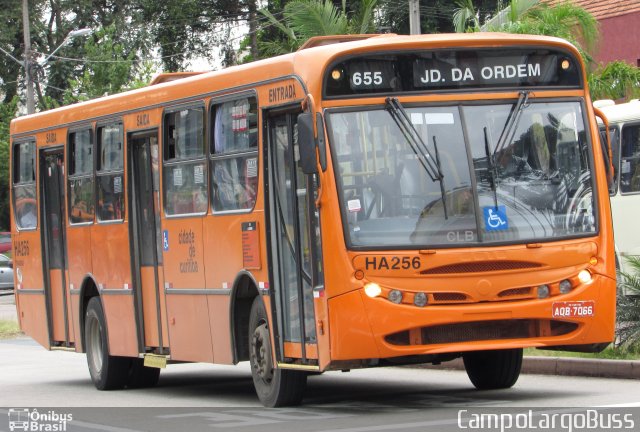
{"points": [[366, 78]]}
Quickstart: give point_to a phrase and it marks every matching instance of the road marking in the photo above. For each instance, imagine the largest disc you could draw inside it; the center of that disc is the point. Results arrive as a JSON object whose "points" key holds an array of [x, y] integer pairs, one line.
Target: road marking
{"points": [[251, 417], [622, 405]]}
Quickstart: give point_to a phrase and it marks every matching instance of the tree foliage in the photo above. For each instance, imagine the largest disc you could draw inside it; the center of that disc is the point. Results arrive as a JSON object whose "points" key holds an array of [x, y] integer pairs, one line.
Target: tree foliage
{"points": [[628, 313], [615, 80], [303, 19]]}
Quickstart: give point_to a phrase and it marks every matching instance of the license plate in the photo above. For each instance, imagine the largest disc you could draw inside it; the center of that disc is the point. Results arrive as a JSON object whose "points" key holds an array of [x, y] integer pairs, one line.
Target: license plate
{"points": [[573, 309]]}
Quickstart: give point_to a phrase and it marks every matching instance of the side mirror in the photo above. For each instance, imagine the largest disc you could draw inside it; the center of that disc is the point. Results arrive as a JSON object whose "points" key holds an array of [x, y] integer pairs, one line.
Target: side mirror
{"points": [[307, 144], [605, 144]]}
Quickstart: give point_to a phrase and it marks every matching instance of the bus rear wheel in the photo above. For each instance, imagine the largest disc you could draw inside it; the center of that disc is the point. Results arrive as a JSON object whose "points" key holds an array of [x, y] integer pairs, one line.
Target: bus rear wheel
{"points": [[107, 372], [489, 370], [275, 387]]}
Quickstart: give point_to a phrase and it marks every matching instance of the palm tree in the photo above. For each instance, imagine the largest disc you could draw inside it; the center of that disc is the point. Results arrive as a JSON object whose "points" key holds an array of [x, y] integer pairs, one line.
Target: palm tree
{"points": [[304, 19], [463, 15], [615, 80], [566, 20], [629, 305]]}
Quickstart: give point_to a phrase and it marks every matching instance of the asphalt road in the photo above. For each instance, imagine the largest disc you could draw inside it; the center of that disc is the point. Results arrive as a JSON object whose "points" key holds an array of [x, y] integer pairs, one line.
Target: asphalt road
{"points": [[192, 397]]}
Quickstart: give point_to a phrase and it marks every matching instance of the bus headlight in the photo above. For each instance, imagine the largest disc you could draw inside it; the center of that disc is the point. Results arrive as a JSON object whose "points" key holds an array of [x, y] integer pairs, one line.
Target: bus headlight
{"points": [[584, 276], [395, 296], [543, 291], [420, 299], [565, 286], [372, 289]]}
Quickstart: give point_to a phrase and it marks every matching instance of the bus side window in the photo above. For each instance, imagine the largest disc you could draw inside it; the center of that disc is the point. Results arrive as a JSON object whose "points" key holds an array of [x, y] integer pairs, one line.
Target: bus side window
{"points": [[630, 159], [24, 185], [234, 155], [81, 180], [110, 173], [184, 173]]}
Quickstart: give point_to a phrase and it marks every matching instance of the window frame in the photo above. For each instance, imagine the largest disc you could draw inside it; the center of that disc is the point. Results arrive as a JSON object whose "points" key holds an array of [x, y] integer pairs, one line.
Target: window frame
{"points": [[621, 128], [32, 183], [173, 162], [104, 173], [72, 176], [215, 157], [462, 103]]}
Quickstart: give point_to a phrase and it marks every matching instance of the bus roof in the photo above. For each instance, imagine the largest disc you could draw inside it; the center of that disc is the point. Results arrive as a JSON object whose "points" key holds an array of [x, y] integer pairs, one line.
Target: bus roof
{"points": [[304, 64], [622, 112]]}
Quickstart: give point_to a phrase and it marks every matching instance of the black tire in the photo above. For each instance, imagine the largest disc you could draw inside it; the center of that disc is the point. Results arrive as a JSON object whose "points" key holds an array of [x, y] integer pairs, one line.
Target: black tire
{"points": [[141, 376], [275, 387], [490, 370], [107, 372]]}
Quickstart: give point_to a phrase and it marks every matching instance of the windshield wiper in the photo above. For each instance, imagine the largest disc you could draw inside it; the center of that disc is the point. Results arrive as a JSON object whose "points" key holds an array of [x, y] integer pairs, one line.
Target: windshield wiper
{"points": [[430, 163], [491, 168], [511, 124]]}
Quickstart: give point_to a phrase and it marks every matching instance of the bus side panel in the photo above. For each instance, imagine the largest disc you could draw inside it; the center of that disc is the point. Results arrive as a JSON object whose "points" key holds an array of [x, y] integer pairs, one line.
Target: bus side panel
{"points": [[189, 330], [184, 269], [31, 307], [121, 324], [224, 255], [351, 335], [112, 271], [220, 331], [32, 314], [79, 264], [74, 323]]}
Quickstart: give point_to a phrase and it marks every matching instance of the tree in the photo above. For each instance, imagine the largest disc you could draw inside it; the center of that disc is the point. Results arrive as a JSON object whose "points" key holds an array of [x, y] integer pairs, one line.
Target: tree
{"points": [[304, 19], [615, 80], [7, 112], [628, 311], [566, 20]]}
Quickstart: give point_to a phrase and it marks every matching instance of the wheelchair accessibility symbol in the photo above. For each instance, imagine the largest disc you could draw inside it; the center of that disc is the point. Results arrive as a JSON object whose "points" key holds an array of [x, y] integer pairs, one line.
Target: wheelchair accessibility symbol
{"points": [[495, 218]]}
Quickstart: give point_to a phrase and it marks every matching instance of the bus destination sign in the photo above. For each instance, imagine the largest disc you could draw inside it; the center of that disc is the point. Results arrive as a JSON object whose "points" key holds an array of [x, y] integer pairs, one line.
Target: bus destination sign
{"points": [[482, 69]]}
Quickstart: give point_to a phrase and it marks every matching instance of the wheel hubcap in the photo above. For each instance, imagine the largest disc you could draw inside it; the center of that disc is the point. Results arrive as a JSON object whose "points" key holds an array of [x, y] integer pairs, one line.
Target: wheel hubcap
{"points": [[94, 345], [261, 353]]}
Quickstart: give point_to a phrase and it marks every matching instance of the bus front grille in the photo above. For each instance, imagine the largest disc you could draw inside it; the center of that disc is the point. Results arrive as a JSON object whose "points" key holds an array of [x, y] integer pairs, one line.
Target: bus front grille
{"points": [[481, 331], [481, 267]]}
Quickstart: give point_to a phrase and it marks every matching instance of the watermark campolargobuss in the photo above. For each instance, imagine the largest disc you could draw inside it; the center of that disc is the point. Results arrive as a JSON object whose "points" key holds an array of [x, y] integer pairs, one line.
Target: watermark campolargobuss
{"points": [[23, 419], [553, 421]]}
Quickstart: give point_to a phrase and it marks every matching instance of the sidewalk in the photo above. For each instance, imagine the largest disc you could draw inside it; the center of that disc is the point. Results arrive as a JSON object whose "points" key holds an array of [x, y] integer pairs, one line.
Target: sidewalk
{"points": [[566, 366]]}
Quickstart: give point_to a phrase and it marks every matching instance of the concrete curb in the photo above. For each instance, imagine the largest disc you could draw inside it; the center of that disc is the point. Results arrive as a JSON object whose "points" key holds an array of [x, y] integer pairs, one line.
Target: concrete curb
{"points": [[567, 366]]}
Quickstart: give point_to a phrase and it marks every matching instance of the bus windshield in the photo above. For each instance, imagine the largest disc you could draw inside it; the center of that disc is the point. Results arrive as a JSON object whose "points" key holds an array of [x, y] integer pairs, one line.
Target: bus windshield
{"points": [[500, 179]]}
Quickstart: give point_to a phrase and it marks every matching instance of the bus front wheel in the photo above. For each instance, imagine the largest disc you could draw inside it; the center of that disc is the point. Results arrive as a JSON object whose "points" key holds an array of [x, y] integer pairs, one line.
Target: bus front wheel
{"points": [[490, 370], [275, 386], [107, 372]]}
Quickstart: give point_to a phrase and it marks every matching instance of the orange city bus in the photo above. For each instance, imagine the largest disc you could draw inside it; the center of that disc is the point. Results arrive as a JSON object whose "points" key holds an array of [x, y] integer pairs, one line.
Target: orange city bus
{"points": [[379, 201]]}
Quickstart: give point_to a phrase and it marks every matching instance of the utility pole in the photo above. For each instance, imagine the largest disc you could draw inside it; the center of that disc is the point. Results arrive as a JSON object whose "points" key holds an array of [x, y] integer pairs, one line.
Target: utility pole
{"points": [[31, 108], [414, 17]]}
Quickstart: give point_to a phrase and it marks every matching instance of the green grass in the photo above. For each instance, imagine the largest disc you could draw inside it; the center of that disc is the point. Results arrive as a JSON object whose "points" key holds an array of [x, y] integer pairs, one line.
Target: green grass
{"points": [[9, 329], [610, 353]]}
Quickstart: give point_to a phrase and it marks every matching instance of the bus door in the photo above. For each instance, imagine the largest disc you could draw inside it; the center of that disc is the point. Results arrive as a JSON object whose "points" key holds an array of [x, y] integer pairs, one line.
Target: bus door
{"points": [[144, 223], [54, 244], [294, 259]]}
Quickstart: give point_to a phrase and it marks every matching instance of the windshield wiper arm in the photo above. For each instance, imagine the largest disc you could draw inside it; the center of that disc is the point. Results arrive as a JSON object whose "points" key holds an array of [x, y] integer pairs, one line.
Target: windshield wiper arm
{"points": [[431, 165], [512, 122], [442, 194], [491, 168]]}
